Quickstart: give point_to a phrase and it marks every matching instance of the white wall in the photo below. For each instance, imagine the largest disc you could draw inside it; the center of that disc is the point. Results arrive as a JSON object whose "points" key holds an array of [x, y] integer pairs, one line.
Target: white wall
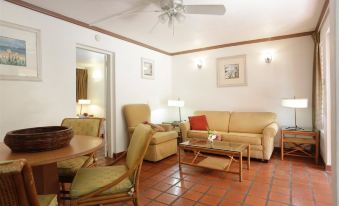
{"points": [[288, 75], [325, 134], [29, 104]]}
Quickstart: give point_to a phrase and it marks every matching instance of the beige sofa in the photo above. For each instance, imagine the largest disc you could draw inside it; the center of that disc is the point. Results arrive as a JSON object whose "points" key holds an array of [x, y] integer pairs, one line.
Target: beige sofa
{"points": [[255, 128]]}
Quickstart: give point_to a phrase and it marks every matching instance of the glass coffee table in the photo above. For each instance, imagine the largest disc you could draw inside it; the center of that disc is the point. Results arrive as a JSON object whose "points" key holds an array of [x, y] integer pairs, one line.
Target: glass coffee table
{"points": [[227, 152]]}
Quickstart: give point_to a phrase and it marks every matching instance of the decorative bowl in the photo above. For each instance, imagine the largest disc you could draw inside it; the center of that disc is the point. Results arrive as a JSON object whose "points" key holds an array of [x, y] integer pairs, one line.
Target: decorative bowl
{"points": [[39, 139]]}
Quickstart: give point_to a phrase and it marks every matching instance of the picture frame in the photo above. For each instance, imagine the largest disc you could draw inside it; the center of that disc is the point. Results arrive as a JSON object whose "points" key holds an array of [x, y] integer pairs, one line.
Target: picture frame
{"points": [[147, 68], [231, 71], [20, 52]]}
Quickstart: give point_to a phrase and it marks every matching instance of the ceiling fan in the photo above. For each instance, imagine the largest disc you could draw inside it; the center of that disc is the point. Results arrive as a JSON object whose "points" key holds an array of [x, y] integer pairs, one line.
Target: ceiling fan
{"points": [[175, 10]]}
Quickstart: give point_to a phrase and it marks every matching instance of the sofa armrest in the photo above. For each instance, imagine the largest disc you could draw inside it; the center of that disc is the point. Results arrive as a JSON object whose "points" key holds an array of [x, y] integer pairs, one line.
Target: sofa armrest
{"points": [[184, 127], [269, 133], [271, 130]]}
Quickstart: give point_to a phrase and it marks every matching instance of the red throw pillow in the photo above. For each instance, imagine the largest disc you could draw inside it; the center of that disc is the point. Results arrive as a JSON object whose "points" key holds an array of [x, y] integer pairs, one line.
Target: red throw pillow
{"points": [[198, 122]]}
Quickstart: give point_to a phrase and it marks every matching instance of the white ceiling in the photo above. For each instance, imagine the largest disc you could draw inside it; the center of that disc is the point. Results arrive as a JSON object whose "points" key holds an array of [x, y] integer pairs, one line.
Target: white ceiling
{"points": [[244, 20]]}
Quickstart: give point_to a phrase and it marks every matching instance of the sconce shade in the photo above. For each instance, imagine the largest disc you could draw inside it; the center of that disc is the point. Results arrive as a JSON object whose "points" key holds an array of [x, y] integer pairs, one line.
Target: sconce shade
{"points": [[176, 103], [84, 101], [294, 103]]}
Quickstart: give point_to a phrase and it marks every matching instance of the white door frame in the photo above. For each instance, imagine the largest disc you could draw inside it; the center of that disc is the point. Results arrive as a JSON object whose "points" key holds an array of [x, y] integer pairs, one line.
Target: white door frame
{"points": [[110, 129]]}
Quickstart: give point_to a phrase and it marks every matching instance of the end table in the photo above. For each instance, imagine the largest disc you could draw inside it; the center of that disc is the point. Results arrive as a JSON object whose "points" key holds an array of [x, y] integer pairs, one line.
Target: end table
{"points": [[297, 140]]}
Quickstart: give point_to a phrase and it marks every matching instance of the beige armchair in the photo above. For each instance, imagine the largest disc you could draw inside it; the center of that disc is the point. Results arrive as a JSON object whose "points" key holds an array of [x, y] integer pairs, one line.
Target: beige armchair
{"points": [[163, 144]]}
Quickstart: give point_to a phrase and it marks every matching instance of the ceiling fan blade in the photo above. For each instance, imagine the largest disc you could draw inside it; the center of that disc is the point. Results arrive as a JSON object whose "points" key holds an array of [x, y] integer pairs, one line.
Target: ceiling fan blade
{"points": [[205, 9]]}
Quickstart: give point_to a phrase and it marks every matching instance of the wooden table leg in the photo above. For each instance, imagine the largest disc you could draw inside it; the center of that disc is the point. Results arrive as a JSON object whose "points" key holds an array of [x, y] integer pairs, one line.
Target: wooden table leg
{"points": [[316, 148], [240, 167], [282, 145], [46, 179], [248, 157]]}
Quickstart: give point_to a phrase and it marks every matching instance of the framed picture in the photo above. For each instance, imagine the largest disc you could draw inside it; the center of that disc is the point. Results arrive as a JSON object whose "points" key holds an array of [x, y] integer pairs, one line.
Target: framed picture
{"points": [[19, 52], [147, 68], [231, 71]]}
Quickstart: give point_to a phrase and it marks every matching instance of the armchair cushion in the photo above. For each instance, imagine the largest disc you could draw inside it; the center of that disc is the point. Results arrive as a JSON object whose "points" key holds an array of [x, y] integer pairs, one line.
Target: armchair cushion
{"points": [[48, 200], [68, 168], [160, 137], [90, 179]]}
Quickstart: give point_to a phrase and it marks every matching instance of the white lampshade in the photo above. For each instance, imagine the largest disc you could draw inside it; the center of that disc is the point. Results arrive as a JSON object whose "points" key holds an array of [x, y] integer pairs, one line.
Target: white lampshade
{"points": [[176, 103], [84, 101], [294, 103]]}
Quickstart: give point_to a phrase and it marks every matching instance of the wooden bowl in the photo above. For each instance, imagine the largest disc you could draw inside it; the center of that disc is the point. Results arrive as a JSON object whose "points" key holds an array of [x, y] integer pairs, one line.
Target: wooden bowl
{"points": [[39, 139]]}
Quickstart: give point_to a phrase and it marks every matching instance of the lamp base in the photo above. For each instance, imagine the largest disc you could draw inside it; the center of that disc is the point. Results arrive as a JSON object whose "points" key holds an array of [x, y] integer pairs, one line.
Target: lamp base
{"points": [[294, 128]]}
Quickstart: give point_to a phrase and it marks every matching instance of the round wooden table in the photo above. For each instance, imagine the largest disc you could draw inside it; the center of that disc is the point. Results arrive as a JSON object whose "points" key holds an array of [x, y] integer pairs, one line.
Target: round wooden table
{"points": [[44, 164]]}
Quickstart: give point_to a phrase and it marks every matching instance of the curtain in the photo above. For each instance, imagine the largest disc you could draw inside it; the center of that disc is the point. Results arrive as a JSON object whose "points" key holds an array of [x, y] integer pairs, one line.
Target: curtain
{"points": [[317, 90], [81, 81]]}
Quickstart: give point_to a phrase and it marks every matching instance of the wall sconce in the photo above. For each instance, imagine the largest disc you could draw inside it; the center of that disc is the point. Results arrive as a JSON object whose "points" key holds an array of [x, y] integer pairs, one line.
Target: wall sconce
{"points": [[199, 63], [268, 58]]}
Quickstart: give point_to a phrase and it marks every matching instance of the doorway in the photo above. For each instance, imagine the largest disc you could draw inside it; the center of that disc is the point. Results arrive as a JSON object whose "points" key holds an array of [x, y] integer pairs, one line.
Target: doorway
{"points": [[94, 89]]}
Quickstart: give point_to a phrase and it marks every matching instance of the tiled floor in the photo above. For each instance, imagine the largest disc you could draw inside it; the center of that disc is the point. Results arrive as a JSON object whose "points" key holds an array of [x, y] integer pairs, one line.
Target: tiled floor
{"points": [[277, 183]]}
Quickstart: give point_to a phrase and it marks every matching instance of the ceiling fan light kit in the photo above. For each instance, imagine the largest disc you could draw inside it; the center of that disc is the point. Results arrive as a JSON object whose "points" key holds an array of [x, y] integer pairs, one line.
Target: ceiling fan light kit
{"points": [[175, 10]]}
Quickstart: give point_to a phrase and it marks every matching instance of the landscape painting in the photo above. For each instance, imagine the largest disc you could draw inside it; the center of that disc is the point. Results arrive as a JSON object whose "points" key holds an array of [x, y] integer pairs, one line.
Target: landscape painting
{"points": [[12, 51]]}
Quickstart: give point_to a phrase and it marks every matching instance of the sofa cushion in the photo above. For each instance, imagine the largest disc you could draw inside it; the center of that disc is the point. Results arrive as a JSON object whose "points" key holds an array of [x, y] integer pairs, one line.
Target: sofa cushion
{"points": [[200, 134], [198, 122], [216, 120], [251, 122], [253, 139], [160, 137]]}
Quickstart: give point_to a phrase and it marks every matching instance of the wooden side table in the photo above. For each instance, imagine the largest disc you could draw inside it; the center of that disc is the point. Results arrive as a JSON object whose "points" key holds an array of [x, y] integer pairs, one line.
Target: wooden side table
{"points": [[297, 140], [176, 128]]}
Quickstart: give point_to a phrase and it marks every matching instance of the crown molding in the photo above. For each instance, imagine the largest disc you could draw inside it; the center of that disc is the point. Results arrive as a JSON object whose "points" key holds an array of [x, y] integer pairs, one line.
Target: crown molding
{"points": [[274, 38]]}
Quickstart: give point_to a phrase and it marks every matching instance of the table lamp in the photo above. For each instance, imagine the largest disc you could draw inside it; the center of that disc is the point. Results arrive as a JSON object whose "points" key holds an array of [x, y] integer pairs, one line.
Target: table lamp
{"points": [[295, 104], [177, 103], [83, 102]]}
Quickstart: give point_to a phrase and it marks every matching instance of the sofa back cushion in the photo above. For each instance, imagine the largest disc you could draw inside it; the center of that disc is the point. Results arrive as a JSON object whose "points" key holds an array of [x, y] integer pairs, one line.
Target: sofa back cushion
{"points": [[251, 122], [217, 120]]}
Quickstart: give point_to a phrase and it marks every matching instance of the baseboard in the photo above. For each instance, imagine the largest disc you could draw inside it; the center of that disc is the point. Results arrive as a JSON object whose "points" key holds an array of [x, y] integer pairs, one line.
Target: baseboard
{"points": [[116, 155]]}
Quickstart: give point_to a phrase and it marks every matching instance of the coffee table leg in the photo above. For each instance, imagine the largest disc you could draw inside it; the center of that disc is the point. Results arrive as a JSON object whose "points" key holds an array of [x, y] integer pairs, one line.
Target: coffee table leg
{"points": [[240, 167], [249, 157]]}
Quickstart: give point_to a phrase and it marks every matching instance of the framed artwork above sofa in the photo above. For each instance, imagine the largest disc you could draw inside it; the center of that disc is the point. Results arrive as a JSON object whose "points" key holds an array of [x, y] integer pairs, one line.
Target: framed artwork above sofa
{"points": [[231, 71]]}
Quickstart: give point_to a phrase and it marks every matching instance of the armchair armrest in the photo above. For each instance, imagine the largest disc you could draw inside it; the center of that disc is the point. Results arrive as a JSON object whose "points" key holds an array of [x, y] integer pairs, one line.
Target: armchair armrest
{"points": [[184, 127], [167, 127]]}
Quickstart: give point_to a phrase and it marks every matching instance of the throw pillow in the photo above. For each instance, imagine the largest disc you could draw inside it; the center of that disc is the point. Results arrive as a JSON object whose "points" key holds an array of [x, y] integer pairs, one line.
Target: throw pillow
{"points": [[198, 122], [156, 128]]}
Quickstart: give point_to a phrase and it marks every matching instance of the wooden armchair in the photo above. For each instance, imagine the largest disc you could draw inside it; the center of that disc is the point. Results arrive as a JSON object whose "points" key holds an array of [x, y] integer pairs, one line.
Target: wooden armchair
{"points": [[81, 126], [110, 184], [163, 144], [17, 187]]}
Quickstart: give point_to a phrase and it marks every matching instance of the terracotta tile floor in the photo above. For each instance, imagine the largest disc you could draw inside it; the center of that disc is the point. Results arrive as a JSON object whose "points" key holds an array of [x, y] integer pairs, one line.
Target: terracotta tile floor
{"points": [[294, 181]]}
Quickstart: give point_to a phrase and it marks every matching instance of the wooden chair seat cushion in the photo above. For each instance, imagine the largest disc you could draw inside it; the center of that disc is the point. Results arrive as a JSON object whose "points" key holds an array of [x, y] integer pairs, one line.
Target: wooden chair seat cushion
{"points": [[68, 168], [48, 200], [90, 179]]}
